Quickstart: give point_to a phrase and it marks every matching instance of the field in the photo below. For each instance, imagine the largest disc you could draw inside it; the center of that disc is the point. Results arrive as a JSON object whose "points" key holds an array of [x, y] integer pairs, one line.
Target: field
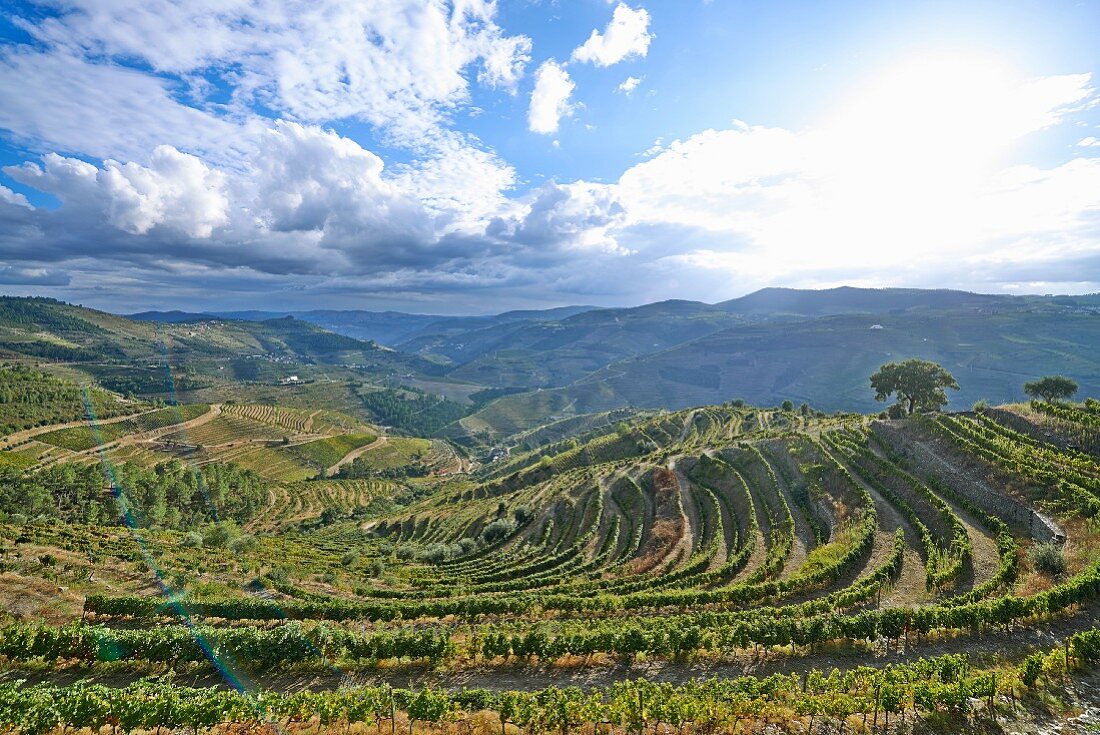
{"points": [[832, 573]]}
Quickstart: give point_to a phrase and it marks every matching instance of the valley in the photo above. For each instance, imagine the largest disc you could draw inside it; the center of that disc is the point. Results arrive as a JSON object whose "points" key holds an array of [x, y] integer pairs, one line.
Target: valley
{"points": [[295, 551]]}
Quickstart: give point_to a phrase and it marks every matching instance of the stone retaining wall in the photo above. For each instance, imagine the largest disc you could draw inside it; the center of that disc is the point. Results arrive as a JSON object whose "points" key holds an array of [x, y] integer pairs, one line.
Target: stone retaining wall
{"points": [[977, 491]]}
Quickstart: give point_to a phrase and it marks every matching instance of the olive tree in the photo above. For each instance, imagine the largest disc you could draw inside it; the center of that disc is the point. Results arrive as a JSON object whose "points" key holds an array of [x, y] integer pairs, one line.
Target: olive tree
{"points": [[919, 385], [1051, 388]]}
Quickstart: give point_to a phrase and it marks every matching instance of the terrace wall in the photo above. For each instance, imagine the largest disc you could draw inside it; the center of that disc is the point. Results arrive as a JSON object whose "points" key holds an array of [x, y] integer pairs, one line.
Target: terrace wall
{"points": [[1040, 527]]}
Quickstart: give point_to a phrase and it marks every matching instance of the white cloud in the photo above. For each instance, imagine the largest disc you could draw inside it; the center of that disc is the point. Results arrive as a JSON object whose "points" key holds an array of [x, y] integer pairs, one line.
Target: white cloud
{"points": [[550, 99], [629, 84], [911, 177], [1089, 142], [399, 64], [458, 182], [176, 191], [626, 35], [13, 198], [57, 101], [913, 174]]}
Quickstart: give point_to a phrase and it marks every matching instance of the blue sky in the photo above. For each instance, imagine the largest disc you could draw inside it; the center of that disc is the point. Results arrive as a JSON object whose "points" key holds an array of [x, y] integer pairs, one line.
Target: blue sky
{"points": [[471, 156]]}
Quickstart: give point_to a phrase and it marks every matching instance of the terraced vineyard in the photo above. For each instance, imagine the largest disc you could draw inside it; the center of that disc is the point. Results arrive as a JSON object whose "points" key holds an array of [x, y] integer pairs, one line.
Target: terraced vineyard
{"points": [[224, 429], [296, 420], [839, 573], [83, 438]]}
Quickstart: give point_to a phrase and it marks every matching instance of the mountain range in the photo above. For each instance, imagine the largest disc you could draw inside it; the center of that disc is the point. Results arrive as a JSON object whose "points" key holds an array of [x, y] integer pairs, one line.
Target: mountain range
{"points": [[518, 369]]}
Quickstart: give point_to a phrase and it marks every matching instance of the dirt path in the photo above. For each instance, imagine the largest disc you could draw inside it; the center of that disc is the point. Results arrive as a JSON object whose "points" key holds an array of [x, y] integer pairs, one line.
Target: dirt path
{"points": [[689, 424], [804, 538], [681, 507], [688, 507], [909, 588], [985, 557], [351, 456]]}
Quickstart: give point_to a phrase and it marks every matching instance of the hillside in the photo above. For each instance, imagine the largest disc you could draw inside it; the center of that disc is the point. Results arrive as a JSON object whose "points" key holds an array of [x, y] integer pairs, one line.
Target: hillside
{"points": [[805, 560], [514, 371], [205, 353], [826, 362]]}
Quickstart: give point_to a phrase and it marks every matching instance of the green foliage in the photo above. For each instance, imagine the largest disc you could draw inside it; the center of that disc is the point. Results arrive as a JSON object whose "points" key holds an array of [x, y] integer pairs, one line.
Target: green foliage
{"points": [[82, 438], [1048, 559], [323, 453], [929, 686], [29, 398], [498, 530], [1051, 388], [918, 384], [169, 495], [414, 412]]}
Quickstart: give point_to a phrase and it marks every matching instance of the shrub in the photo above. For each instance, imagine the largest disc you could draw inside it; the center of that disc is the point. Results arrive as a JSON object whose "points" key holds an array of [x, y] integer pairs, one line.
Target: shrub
{"points": [[980, 406], [1048, 559], [241, 543], [218, 535], [435, 553], [350, 559], [192, 540], [498, 530]]}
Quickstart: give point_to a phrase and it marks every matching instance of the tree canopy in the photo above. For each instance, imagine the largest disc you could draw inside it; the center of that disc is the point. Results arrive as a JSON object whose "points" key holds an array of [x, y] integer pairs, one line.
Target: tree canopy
{"points": [[1051, 388], [920, 385]]}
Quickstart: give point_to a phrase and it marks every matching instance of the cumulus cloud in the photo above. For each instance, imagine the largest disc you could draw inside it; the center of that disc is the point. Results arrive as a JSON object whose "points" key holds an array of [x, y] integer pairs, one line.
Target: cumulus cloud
{"points": [[13, 199], [175, 191], [458, 182], [550, 100], [576, 216], [626, 35], [629, 84]]}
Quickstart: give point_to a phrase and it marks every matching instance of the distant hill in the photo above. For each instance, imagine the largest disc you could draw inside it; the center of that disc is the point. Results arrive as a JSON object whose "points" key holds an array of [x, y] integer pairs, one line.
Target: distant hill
{"points": [[519, 369], [393, 327], [777, 302], [826, 362], [128, 355], [171, 317]]}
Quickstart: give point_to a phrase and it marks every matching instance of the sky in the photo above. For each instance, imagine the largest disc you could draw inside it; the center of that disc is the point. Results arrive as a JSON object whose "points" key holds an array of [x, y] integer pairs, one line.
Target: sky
{"points": [[476, 156]]}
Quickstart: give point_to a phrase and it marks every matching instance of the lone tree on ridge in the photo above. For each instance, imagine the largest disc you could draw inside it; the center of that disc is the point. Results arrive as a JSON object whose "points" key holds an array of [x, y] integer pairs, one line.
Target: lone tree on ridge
{"points": [[920, 385], [1051, 388]]}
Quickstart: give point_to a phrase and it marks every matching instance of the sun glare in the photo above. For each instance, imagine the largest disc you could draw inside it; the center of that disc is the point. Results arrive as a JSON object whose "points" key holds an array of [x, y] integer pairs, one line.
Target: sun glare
{"points": [[912, 150]]}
